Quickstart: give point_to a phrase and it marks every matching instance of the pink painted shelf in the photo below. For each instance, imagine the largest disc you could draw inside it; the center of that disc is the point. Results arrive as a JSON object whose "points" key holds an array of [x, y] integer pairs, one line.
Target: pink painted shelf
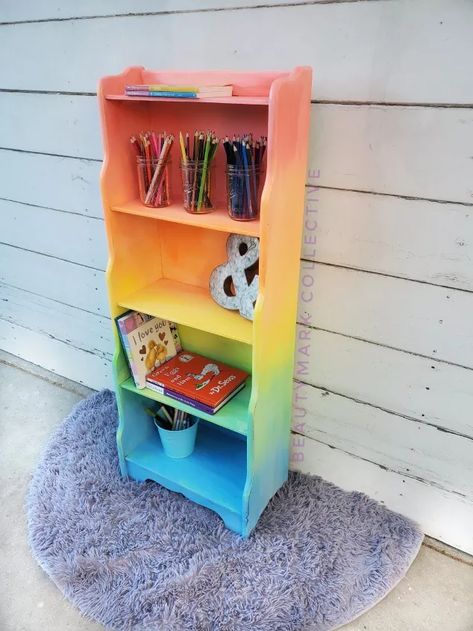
{"points": [[229, 100]]}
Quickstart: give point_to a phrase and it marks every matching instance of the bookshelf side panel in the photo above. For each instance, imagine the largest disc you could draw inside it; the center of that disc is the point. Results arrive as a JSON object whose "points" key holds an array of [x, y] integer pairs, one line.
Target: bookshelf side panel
{"points": [[274, 332]]}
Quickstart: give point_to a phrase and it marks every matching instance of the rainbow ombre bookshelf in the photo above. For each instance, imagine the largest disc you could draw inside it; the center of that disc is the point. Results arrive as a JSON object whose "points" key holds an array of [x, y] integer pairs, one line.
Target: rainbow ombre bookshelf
{"points": [[160, 261]]}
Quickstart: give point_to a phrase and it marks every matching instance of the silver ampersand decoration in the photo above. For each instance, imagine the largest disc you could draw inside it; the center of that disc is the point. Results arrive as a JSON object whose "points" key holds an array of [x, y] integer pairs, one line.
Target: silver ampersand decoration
{"points": [[234, 285]]}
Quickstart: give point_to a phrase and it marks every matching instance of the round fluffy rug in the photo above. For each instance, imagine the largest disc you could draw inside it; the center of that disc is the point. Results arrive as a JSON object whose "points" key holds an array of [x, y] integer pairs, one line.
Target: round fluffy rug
{"points": [[136, 556]]}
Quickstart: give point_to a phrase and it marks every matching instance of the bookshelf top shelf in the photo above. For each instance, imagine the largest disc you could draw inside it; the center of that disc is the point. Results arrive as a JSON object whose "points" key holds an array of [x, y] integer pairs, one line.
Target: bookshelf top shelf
{"points": [[216, 220], [227, 100]]}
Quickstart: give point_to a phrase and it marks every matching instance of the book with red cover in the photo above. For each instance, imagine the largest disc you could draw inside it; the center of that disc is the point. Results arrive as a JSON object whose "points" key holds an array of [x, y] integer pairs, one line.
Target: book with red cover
{"points": [[193, 378]]}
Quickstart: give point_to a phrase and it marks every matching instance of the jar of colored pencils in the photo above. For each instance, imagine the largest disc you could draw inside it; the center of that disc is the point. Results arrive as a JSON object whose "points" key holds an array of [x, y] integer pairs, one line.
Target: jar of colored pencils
{"points": [[154, 181], [243, 191], [197, 177]]}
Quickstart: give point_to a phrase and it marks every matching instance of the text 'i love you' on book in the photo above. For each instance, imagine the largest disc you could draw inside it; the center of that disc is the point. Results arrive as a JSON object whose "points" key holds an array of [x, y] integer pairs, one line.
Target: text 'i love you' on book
{"points": [[148, 342]]}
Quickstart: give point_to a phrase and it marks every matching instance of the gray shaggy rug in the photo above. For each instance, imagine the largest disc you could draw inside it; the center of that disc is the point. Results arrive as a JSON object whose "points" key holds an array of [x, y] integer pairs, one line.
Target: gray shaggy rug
{"points": [[136, 556]]}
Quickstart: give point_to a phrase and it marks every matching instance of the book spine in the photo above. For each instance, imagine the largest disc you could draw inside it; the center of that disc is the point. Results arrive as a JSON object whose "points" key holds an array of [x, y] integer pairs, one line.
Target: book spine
{"points": [[172, 95], [160, 87], [180, 397], [126, 347], [137, 93]]}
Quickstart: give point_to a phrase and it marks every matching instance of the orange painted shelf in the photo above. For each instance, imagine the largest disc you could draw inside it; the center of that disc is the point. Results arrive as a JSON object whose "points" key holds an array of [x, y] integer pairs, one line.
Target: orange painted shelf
{"points": [[228, 100], [170, 299], [216, 220]]}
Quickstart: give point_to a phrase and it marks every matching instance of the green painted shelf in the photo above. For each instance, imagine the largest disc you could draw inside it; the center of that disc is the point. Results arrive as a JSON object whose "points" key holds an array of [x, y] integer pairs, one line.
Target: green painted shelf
{"points": [[234, 415]]}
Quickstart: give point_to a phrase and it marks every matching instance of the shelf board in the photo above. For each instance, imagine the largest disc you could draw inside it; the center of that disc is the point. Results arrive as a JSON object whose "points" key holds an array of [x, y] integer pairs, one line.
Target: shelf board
{"points": [[216, 220], [191, 306], [214, 474], [233, 416], [226, 100]]}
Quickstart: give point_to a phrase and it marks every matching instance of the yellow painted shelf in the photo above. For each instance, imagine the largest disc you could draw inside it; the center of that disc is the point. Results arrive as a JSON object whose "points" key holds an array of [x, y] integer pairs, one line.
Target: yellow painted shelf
{"points": [[216, 220], [191, 306], [234, 415]]}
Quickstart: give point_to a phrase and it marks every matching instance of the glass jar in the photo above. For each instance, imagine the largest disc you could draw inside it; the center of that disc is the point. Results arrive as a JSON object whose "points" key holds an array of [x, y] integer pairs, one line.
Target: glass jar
{"points": [[154, 181], [197, 186], [244, 192]]}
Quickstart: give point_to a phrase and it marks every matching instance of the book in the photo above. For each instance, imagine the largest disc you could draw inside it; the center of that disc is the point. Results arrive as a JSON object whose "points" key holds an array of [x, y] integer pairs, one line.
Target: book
{"points": [[169, 95], [226, 88], [179, 91], [192, 402], [148, 342], [198, 381]]}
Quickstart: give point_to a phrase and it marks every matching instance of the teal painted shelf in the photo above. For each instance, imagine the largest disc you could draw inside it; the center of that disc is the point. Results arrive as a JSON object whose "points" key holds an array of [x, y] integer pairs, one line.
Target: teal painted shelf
{"points": [[234, 415], [214, 475]]}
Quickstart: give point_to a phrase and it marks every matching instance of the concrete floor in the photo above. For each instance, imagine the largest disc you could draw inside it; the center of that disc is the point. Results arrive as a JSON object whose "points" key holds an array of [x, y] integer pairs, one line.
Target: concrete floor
{"points": [[436, 594]]}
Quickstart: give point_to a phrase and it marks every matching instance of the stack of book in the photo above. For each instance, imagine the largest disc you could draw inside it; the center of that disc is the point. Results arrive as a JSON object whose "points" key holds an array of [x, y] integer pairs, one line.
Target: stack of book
{"points": [[153, 350], [202, 383], [179, 91]]}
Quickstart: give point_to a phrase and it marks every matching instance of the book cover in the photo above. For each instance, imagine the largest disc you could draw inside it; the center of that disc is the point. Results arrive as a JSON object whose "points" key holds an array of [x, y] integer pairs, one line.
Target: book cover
{"points": [[197, 378], [192, 402], [148, 342]]}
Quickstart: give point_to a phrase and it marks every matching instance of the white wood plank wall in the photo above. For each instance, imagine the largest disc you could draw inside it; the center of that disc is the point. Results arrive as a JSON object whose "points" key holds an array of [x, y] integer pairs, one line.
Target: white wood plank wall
{"points": [[384, 376]]}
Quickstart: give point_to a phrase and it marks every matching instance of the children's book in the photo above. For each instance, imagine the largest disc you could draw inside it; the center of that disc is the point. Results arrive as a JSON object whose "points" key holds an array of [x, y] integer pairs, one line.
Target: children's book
{"points": [[203, 383], [180, 91], [148, 342]]}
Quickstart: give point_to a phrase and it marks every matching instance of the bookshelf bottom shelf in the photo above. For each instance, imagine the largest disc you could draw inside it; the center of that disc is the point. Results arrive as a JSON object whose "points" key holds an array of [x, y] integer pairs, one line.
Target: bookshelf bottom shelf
{"points": [[213, 476]]}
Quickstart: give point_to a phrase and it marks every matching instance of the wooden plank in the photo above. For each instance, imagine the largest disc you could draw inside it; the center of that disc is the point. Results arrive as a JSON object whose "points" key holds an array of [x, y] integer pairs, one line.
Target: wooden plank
{"points": [[407, 447], [72, 237], [53, 10], [413, 151], [80, 329], [389, 235], [59, 357], [423, 389], [419, 318], [53, 278], [63, 183], [440, 514], [69, 124], [354, 147], [352, 46]]}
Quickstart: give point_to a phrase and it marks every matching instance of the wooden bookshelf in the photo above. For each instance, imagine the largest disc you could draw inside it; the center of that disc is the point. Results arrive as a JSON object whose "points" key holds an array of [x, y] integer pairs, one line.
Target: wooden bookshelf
{"points": [[160, 261]]}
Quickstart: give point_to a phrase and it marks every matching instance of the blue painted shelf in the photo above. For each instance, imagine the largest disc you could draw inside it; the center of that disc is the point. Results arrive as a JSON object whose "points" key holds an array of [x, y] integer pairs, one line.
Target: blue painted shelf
{"points": [[214, 475], [233, 416]]}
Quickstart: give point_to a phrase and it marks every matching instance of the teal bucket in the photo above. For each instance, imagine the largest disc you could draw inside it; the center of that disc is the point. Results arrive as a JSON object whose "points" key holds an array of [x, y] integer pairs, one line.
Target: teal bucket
{"points": [[178, 443]]}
